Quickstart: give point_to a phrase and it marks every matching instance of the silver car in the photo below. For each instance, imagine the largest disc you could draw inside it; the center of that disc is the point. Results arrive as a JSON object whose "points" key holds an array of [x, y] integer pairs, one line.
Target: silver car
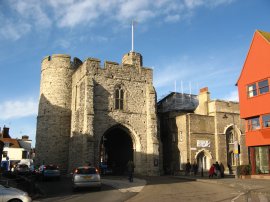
{"points": [[86, 176], [13, 194]]}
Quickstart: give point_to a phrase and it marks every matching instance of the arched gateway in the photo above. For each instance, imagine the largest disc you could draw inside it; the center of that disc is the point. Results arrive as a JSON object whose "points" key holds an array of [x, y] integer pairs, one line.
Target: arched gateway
{"points": [[116, 149], [97, 114]]}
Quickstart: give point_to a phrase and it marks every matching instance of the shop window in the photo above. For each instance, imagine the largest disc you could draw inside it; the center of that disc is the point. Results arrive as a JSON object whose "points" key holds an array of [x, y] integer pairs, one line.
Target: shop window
{"points": [[266, 120], [262, 158], [263, 86], [253, 123], [119, 98], [252, 90]]}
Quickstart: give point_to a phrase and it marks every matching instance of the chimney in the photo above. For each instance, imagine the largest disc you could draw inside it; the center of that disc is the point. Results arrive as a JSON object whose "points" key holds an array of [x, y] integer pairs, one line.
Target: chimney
{"points": [[204, 98], [6, 132], [25, 137]]}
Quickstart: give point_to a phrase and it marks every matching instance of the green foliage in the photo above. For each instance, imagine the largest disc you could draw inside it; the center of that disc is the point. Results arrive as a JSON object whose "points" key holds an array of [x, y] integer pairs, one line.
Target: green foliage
{"points": [[244, 170]]}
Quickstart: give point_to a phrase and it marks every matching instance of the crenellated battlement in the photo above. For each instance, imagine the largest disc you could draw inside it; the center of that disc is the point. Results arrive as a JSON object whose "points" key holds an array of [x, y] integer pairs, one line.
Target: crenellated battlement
{"points": [[56, 56]]}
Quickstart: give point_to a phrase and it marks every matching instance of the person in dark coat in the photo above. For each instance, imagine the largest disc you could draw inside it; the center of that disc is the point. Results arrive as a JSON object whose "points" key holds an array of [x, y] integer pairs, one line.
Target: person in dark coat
{"points": [[195, 168], [222, 170], [130, 168], [188, 168], [217, 169]]}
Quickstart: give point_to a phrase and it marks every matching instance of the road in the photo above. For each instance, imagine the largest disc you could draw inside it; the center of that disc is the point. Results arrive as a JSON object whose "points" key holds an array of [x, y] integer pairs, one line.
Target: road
{"points": [[61, 190], [158, 189]]}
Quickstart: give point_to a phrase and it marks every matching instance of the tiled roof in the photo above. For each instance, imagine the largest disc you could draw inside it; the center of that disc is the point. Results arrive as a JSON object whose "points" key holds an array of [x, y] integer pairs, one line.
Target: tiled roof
{"points": [[14, 142], [266, 35]]}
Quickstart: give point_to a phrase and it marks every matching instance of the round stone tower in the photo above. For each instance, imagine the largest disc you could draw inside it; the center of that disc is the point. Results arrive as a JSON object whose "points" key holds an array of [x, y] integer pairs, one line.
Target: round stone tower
{"points": [[54, 114], [133, 58]]}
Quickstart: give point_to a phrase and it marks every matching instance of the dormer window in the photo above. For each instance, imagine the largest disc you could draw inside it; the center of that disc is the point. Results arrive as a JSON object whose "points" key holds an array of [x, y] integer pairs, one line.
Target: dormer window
{"points": [[119, 98]]}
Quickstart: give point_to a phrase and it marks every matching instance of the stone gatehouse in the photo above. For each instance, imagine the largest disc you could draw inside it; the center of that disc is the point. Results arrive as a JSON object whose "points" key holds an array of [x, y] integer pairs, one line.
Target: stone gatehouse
{"points": [[92, 114]]}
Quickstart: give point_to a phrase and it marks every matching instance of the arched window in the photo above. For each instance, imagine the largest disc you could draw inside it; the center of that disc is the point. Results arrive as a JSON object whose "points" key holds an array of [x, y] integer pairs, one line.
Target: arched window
{"points": [[119, 98]]}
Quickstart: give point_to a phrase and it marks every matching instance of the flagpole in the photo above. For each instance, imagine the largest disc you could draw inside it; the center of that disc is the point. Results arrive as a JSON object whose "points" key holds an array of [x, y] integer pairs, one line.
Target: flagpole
{"points": [[132, 37]]}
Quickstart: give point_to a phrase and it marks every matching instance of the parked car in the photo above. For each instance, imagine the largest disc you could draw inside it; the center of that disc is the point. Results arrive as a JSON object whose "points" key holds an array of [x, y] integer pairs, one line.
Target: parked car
{"points": [[86, 176], [8, 194], [49, 171], [22, 169]]}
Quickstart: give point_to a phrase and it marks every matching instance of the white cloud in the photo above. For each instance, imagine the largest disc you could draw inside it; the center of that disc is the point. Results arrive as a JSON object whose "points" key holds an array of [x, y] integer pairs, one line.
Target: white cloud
{"points": [[192, 4], [233, 96], [172, 18], [13, 31], [17, 109], [38, 14], [33, 11]]}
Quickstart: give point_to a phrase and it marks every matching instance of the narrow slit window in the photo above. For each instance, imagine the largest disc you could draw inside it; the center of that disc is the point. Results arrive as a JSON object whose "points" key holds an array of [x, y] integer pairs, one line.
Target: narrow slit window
{"points": [[119, 99]]}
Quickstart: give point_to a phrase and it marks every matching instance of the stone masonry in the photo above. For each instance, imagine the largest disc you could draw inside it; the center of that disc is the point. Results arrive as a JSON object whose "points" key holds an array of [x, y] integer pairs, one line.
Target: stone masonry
{"points": [[77, 107], [202, 135]]}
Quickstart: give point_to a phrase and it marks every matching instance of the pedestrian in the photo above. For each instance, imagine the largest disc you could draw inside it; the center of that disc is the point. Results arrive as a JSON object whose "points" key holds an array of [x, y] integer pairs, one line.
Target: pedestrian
{"points": [[130, 168], [222, 170], [188, 167], [211, 171], [230, 168], [195, 168], [217, 169]]}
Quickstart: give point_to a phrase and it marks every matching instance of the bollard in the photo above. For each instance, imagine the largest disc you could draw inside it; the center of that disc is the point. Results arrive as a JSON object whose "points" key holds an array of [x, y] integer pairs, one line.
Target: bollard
{"points": [[202, 171]]}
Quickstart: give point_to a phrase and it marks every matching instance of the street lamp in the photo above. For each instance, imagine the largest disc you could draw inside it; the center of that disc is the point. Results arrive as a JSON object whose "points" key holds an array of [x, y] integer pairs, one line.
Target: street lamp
{"points": [[235, 144]]}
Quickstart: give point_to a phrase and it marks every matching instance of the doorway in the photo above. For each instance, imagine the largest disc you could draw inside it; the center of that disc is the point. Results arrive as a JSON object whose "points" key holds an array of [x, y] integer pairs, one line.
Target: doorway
{"points": [[116, 149]]}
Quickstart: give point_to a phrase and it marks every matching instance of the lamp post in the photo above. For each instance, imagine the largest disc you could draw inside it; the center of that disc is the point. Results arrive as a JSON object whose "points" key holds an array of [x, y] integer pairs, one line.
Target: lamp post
{"points": [[236, 146]]}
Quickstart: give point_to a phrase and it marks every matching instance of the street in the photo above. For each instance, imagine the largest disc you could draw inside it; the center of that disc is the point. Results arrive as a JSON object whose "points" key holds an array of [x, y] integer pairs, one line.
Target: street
{"points": [[54, 190], [158, 189]]}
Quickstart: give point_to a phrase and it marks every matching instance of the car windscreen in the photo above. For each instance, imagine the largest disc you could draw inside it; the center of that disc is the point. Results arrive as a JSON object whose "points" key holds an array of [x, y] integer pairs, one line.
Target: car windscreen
{"points": [[86, 171]]}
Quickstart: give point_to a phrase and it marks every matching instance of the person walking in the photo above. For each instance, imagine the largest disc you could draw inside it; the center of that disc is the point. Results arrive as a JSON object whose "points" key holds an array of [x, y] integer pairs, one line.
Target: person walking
{"points": [[211, 171], [217, 169], [188, 167], [230, 168], [222, 170], [195, 168], [130, 168]]}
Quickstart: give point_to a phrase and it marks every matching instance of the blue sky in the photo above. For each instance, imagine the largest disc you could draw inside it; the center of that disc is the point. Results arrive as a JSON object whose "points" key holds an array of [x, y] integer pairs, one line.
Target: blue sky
{"points": [[199, 42]]}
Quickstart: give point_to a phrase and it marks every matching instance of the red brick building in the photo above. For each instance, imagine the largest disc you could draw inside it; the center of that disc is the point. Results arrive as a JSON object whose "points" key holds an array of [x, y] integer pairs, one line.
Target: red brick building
{"points": [[254, 99]]}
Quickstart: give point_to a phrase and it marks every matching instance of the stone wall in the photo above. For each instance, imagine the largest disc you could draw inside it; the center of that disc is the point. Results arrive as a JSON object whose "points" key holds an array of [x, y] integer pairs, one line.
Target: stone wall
{"points": [[54, 114], [94, 113]]}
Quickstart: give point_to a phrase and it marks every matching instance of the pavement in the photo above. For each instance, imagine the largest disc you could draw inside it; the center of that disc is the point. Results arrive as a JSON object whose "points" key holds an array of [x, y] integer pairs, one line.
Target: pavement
{"points": [[256, 186], [123, 184]]}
